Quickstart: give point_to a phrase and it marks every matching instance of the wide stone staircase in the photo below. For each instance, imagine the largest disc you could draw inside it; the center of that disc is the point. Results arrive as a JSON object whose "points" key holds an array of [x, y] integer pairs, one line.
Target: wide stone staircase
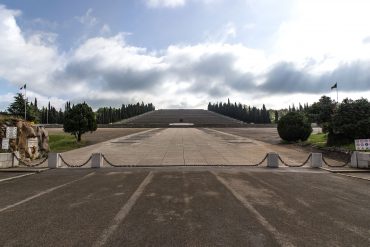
{"points": [[179, 118]]}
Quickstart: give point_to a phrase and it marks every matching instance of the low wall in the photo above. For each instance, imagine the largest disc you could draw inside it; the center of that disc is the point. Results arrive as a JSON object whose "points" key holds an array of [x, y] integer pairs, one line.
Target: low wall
{"points": [[6, 160]]}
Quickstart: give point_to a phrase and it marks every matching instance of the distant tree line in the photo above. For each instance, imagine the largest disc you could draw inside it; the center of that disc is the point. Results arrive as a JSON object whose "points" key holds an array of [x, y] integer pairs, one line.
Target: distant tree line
{"points": [[106, 115], [50, 115], [241, 112]]}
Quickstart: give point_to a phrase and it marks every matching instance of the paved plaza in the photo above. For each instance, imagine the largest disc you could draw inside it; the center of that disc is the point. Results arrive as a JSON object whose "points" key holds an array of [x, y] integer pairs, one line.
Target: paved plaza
{"points": [[196, 205], [184, 146]]}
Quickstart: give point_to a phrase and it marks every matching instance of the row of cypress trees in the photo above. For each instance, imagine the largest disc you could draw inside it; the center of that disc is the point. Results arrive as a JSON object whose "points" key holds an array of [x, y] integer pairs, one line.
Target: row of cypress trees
{"points": [[106, 115], [241, 112]]}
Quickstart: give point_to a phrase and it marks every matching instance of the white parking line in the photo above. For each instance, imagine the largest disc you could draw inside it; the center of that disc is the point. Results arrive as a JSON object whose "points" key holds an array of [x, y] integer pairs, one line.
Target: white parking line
{"points": [[280, 238], [19, 176], [43, 193], [121, 215]]}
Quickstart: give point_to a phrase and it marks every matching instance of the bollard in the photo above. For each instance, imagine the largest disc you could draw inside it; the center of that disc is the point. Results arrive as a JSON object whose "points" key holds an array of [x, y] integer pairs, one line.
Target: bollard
{"points": [[54, 160], [316, 160], [354, 162], [362, 160], [272, 160], [96, 160]]}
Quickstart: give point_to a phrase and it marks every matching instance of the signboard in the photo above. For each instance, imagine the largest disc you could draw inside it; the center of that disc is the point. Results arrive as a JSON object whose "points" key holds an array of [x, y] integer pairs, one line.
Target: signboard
{"points": [[11, 132], [32, 142], [362, 144], [5, 144]]}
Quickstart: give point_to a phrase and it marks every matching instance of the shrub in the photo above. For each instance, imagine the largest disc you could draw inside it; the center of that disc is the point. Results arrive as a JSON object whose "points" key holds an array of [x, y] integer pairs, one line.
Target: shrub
{"points": [[350, 121], [294, 126]]}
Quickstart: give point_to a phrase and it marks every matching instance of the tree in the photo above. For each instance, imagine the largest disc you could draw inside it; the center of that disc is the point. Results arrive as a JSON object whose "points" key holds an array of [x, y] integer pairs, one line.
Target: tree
{"points": [[321, 112], [276, 117], [350, 121], [79, 120], [294, 126], [17, 108]]}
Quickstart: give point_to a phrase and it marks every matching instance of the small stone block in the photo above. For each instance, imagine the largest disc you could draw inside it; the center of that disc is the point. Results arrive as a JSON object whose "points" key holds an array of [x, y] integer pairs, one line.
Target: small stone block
{"points": [[54, 160], [272, 160], [96, 160], [316, 160]]}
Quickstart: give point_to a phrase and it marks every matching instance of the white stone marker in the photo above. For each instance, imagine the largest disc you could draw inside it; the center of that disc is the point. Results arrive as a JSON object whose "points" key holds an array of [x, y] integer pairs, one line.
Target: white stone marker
{"points": [[272, 160], [363, 160], [316, 160], [54, 160], [97, 160]]}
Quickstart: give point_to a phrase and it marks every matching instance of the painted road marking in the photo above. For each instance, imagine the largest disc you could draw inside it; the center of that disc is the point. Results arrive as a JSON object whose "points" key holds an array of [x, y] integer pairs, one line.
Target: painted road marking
{"points": [[43, 193], [280, 238], [19, 176], [121, 215]]}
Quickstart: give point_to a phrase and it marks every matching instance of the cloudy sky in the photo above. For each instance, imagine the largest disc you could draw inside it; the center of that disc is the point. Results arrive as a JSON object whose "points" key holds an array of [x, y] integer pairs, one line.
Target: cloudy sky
{"points": [[184, 53]]}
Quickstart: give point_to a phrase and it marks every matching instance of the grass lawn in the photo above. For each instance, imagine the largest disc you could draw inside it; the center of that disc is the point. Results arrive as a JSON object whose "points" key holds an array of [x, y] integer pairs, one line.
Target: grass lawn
{"points": [[319, 140], [64, 142]]}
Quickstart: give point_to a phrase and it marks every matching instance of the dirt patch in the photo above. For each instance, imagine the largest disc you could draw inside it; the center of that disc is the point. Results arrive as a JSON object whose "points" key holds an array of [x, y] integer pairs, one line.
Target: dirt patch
{"points": [[101, 135]]}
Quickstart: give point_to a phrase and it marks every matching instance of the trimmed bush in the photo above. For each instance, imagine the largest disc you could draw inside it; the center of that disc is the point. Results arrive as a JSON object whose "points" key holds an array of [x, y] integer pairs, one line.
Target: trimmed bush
{"points": [[294, 126]]}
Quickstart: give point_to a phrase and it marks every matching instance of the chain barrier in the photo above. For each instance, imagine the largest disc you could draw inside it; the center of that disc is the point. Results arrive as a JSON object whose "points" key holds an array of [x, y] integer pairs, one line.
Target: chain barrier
{"points": [[342, 165], [74, 166], [260, 163], [290, 165], [191, 165], [23, 163]]}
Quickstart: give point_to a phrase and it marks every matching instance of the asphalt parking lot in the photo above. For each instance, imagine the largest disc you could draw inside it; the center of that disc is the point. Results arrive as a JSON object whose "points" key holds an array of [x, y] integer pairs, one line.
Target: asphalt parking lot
{"points": [[189, 206]]}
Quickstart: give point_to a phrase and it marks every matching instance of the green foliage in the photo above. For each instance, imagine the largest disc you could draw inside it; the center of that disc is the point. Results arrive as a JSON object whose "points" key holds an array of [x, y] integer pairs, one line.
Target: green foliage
{"points": [[63, 142], [241, 112], [294, 126], [350, 121], [17, 109], [318, 139], [79, 120], [106, 115], [321, 112]]}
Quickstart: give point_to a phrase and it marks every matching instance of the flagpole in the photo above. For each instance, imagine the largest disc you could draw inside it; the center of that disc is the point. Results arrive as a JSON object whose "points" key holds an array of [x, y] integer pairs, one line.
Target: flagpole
{"points": [[337, 93], [25, 104]]}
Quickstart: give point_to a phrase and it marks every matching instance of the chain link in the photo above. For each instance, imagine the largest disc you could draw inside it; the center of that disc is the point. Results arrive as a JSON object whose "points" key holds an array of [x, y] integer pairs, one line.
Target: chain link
{"points": [[23, 163], [191, 165], [289, 165], [74, 166], [342, 165]]}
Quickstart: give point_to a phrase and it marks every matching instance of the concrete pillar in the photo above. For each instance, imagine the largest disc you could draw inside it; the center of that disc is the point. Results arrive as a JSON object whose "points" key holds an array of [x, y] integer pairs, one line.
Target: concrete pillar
{"points": [[363, 159], [54, 160], [272, 160], [354, 160], [97, 160], [316, 160]]}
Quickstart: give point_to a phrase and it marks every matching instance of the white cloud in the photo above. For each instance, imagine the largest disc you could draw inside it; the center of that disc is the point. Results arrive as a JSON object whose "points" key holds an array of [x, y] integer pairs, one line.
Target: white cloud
{"points": [[108, 71], [176, 3], [165, 3], [88, 19]]}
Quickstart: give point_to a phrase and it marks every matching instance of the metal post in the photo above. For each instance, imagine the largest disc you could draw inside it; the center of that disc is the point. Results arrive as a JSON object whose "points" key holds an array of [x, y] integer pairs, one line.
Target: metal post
{"points": [[25, 103]]}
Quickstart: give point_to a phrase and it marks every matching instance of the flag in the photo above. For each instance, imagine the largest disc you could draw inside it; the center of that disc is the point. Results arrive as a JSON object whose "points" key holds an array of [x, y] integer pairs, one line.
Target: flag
{"points": [[24, 86], [334, 86]]}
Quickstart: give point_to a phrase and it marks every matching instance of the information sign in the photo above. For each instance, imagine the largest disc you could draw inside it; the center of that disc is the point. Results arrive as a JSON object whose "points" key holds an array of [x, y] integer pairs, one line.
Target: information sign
{"points": [[11, 132], [5, 144], [362, 144]]}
